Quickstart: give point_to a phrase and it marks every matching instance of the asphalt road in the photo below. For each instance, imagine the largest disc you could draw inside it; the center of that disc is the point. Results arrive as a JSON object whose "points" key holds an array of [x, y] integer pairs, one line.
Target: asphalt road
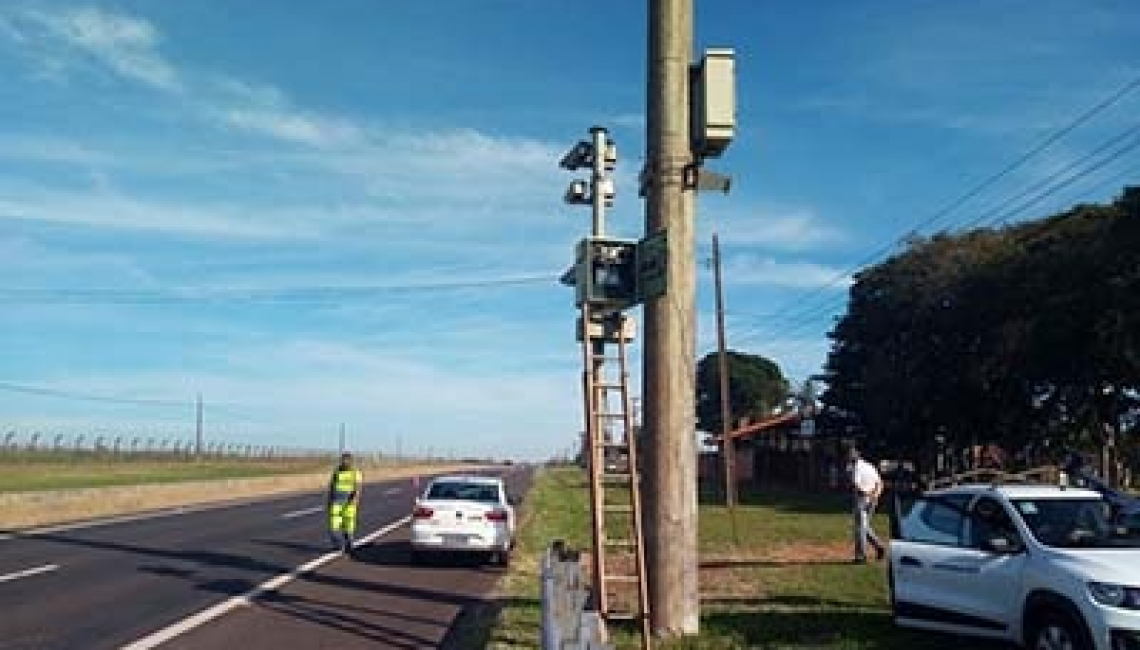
{"points": [[251, 575]]}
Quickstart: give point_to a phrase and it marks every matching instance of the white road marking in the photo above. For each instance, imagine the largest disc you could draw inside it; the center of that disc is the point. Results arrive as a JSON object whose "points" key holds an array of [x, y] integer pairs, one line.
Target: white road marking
{"points": [[171, 632], [302, 513], [28, 572], [390, 491]]}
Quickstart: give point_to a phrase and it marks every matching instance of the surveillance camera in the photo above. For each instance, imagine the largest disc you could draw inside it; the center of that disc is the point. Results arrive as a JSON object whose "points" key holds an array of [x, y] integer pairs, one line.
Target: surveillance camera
{"points": [[578, 192], [611, 156], [581, 155]]}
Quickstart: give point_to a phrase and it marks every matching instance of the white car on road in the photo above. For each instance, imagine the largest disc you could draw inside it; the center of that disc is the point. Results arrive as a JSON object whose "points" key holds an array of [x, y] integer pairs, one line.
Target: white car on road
{"points": [[1040, 565], [464, 514]]}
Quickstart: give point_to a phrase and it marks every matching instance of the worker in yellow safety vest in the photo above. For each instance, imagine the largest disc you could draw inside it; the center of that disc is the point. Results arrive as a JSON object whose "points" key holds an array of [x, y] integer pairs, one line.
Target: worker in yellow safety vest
{"points": [[344, 497]]}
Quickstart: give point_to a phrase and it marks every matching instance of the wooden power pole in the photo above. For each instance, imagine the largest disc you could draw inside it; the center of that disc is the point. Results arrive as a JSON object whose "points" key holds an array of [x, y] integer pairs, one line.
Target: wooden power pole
{"points": [[670, 327], [726, 446]]}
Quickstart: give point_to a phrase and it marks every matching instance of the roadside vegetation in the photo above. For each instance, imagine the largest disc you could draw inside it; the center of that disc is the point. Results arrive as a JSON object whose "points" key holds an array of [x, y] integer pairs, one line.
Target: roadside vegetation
{"points": [[25, 475], [785, 582]]}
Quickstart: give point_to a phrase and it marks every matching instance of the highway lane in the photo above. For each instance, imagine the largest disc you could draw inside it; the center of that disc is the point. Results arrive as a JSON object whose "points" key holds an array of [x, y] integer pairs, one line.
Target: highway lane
{"points": [[375, 600], [112, 584]]}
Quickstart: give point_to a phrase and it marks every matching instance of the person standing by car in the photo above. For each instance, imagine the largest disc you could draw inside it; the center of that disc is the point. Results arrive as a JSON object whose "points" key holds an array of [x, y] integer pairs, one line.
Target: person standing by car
{"points": [[343, 500], [866, 486]]}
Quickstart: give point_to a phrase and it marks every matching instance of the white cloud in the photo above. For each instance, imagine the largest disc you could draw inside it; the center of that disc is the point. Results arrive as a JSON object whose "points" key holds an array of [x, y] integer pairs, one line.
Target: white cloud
{"points": [[113, 211], [751, 269], [628, 121], [125, 45], [291, 127], [777, 229]]}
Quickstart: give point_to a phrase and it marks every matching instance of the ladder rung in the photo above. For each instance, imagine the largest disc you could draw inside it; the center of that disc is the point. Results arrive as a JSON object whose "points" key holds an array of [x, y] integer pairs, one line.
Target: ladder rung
{"points": [[608, 386], [605, 357], [623, 578], [623, 616], [614, 507], [620, 543], [610, 415], [617, 477]]}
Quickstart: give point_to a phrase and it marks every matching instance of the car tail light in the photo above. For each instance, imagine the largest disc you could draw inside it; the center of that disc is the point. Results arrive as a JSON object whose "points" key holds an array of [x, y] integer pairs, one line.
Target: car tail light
{"points": [[497, 515], [422, 512]]}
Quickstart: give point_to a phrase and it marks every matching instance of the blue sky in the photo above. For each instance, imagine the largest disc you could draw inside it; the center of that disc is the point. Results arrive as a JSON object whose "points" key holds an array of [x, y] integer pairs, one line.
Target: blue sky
{"points": [[325, 212]]}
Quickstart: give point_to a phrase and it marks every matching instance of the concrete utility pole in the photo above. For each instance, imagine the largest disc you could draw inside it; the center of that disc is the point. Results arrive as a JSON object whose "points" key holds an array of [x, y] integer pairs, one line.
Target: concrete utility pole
{"points": [[198, 429], [670, 328]]}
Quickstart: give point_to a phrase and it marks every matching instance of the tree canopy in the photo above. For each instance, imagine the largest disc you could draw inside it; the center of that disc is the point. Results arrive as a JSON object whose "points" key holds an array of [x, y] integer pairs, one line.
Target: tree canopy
{"points": [[755, 387], [1026, 335]]}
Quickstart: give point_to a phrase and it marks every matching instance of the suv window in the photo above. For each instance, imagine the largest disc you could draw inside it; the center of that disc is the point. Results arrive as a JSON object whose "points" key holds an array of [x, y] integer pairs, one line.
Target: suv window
{"points": [[1074, 523], [934, 520], [989, 517], [463, 491]]}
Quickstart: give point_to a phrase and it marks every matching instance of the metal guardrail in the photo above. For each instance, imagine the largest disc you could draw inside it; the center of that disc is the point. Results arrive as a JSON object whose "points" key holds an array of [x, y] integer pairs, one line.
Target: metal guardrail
{"points": [[566, 623]]}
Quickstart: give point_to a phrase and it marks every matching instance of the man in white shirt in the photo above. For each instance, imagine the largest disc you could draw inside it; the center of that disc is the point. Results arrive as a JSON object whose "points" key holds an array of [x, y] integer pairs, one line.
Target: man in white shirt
{"points": [[867, 486]]}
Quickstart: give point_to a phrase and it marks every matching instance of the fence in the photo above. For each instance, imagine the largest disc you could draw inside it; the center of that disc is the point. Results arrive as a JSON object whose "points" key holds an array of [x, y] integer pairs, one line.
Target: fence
{"points": [[40, 446], [566, 623]]}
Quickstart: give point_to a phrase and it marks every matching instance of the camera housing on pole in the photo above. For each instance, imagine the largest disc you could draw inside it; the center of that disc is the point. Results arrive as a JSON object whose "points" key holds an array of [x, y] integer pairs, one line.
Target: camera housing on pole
{"points": [[606, 273]]}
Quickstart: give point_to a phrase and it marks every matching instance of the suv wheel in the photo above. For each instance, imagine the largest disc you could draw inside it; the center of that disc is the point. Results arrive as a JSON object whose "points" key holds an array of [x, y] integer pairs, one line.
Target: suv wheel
{"points": [[1054, 629]]}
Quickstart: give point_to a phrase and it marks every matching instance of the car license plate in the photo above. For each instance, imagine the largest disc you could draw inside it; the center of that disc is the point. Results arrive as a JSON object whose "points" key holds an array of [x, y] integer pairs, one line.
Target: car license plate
{"points": [[458, 540]]}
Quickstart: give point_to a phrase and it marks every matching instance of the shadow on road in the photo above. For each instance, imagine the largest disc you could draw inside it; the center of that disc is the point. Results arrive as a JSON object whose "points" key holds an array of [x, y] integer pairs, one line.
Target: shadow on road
{"points": [[230, 574]]}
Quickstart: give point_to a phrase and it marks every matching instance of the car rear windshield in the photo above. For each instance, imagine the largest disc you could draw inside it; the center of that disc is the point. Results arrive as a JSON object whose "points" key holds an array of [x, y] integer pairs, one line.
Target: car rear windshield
{"points": [[1077, 523], [463, 491]]}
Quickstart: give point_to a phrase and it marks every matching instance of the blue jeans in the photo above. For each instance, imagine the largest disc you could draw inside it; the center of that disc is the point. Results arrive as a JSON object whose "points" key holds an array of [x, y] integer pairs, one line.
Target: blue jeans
{"points": [[863, 511]]}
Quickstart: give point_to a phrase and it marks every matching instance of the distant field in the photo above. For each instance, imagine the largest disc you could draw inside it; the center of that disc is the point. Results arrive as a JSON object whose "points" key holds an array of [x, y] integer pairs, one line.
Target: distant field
{"points": [[23, 476], [785, 583], [43, 493]]}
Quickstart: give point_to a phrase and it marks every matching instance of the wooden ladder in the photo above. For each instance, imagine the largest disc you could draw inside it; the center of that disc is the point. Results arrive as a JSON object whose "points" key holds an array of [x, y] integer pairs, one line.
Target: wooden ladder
{"points": [[618, 561]]}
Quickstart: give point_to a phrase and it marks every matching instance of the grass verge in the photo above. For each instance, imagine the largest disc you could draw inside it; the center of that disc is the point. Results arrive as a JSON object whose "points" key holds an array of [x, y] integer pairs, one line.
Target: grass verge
{"points": [[46, 475], [783, 581]]}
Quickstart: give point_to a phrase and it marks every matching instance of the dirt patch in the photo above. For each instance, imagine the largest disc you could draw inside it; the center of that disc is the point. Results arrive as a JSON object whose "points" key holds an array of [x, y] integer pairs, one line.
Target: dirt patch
{"points": [[787, 554], [20, 510]]}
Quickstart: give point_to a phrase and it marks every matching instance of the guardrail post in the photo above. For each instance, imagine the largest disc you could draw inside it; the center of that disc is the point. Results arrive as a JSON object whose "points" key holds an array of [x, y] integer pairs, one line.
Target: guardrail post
{"points": [[566, 624]]}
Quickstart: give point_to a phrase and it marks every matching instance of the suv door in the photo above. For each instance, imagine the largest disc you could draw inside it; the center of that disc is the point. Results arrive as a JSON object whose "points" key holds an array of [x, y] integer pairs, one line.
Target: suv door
{"points": [[944, 575]]}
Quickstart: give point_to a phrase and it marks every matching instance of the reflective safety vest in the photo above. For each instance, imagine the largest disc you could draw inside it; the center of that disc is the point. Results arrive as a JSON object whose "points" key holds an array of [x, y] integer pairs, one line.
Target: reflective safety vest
{"points": [[345, 482]]}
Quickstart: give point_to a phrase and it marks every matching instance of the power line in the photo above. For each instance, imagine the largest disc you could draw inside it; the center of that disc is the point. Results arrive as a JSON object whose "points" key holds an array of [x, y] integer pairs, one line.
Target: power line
{"points": [[974, 191], [13, 295], [997, 215], [80, 396], [89, 397]]}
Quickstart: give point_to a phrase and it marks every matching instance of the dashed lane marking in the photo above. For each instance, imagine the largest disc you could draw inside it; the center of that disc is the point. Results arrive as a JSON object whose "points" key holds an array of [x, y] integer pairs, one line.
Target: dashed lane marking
{"points": [[8, 577], [302, 513], [169, 633]]}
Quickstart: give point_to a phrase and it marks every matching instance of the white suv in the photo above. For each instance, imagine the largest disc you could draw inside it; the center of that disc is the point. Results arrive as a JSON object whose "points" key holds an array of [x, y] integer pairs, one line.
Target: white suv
{"points": [[1039, 565]]}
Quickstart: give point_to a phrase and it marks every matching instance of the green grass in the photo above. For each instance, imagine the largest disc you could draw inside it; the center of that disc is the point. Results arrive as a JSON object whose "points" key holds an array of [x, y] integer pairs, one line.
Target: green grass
{"points": [[18, 476], [782, 583], [556, 508]]}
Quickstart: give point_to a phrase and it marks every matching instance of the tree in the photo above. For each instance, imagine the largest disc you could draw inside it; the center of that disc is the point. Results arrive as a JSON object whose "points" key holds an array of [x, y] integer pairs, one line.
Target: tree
{"points": [[1026, 335], [755, 387]]}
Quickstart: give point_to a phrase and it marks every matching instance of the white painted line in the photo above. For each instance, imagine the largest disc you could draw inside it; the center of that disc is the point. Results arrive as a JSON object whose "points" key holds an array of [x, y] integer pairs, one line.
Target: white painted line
{"points": [[28, 572], [390, 491], [171, 632], [302, 513]]}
